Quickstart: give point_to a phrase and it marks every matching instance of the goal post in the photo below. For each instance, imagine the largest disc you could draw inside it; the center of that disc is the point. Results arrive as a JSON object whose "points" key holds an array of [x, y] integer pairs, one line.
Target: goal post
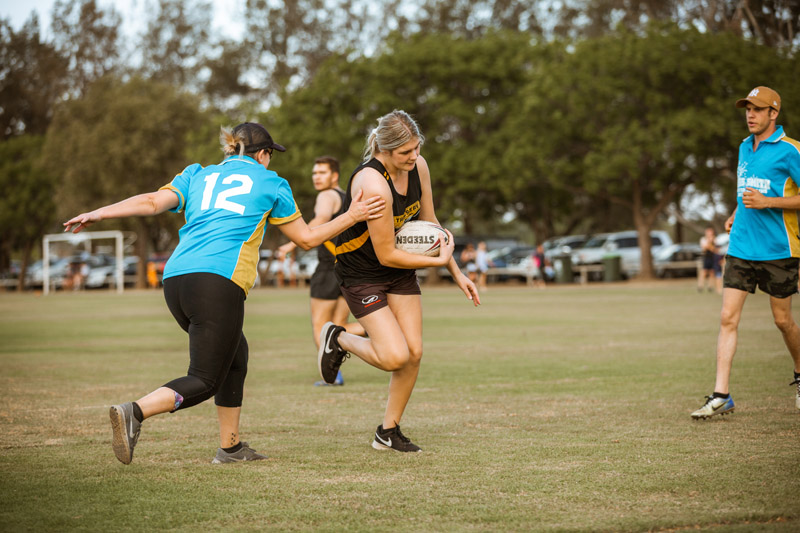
{"points": [[77, 238]]}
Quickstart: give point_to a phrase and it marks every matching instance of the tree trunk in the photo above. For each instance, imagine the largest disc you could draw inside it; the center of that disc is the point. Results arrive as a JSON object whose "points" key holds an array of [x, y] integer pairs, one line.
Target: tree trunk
{"points": [[23, 266], [643, 225]]}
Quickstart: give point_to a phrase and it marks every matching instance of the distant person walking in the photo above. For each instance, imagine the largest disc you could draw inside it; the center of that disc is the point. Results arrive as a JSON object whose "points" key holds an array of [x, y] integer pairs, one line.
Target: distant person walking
{"points": [[327, 302], [712, 265], [206, 280], [378, 280], [482, 264], [764, 243]]}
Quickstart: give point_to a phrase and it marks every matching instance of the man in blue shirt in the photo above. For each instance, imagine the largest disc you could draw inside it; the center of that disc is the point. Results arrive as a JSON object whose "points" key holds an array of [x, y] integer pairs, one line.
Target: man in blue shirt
{"points": [[764, 239]]}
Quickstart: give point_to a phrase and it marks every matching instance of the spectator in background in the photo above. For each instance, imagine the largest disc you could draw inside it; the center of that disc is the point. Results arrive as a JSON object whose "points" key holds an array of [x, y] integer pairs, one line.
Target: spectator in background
{"points": [[482, 264], [712, 268], [468, 256], [540, 267]]}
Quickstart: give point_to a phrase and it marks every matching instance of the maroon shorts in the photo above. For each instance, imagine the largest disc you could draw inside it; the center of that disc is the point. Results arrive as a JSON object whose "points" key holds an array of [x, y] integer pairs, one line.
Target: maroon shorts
{"points": [[364, 299]]}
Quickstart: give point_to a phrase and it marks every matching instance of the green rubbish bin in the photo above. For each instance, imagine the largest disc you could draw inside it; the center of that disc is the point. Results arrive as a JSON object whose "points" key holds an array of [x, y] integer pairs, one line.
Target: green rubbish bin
{"points": [[562, 264], [612, 268]]}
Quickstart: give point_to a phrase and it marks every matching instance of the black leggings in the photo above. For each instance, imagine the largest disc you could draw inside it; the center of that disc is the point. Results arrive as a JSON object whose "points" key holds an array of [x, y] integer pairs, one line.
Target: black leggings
{"points": [[211, 309]]}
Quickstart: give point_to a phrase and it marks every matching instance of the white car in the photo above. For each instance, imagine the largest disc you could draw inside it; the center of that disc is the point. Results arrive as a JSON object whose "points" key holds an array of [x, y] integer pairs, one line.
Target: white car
{"points": [[625, 245]]}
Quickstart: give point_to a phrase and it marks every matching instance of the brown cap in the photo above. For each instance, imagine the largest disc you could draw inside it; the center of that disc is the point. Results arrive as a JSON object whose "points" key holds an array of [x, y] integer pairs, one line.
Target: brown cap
{"points": [[761, 97]]}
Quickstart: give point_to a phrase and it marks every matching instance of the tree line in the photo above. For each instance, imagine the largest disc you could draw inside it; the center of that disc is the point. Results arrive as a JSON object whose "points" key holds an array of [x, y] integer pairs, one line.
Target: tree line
{"points": [[602, 115]]}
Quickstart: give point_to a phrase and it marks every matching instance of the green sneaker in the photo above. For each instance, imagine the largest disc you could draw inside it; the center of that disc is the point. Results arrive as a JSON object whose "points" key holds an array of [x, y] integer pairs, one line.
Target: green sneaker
{"points": [[126, 431], [245, 454], [714, 406]]}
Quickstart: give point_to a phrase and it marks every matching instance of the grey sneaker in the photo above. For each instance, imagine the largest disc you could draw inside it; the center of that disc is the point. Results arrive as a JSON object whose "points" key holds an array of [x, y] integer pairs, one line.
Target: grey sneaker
{"points": [[126, 431], [245, 454], [330, 356], [796, 398], [714, 406]]}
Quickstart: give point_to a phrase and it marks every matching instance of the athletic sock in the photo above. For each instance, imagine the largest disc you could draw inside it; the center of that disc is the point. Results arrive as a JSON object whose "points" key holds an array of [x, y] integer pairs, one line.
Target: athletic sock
{"points": [[137, 412], [233, 449], [720, 395]]}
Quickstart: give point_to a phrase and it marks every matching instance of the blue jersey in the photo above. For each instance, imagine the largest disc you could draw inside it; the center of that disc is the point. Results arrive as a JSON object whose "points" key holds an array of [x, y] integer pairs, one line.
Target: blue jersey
{"points": [[227, 208], [773, 169]]}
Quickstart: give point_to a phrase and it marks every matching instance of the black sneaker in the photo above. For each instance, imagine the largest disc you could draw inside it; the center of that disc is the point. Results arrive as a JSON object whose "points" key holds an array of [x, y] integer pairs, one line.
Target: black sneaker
{"points": [[330, 356], [393, 439]]}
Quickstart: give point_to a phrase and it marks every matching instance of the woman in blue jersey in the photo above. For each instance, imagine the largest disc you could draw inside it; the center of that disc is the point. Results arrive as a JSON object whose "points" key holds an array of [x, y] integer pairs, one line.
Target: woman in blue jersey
{"points": [[227, 207], [378, 280]]}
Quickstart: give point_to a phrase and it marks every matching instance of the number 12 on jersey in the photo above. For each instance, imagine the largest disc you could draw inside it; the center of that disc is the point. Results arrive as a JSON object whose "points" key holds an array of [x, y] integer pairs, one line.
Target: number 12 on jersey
{"points": [[222, 201]]}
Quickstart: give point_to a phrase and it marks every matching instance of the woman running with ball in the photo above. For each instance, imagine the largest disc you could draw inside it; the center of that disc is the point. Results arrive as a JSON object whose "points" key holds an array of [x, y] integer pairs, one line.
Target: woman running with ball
{"points": [[378, 280]]}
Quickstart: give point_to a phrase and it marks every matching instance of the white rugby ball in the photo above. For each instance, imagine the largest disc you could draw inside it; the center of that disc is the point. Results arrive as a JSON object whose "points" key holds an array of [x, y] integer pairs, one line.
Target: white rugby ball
{"points": [[420, 237]]}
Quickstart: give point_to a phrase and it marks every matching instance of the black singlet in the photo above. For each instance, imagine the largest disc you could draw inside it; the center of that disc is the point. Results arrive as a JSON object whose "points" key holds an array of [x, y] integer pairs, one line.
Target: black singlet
{"points": [[325, 250], [356, 262]]}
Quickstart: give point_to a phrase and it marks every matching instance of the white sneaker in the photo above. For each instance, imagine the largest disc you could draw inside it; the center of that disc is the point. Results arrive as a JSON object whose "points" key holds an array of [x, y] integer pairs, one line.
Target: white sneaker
{"points": [[714, 406], [796, 398]]}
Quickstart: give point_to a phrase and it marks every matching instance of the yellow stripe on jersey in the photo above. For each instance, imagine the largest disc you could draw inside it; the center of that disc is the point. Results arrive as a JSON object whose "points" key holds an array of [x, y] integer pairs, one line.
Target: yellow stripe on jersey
{"points": [[181, 199], [244, 275], [353, 244], [793, 142], [790, 221], [285, 220], [330, 247]]}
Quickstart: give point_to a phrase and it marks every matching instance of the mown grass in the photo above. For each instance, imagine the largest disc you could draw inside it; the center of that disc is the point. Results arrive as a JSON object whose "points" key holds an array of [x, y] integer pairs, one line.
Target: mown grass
{"points": [[558, 410]]}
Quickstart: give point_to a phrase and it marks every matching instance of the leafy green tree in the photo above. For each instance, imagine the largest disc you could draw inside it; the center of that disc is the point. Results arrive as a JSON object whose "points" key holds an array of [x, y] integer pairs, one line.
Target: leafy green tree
{"points": [[88, 37], [32, 74], [27, 204], [773, 23], [459, 90], [121, 139], [633, 120], [176, 41]]}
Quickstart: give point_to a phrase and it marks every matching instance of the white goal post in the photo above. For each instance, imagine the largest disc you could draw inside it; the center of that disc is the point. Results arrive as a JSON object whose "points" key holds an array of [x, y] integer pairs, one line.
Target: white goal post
{"points": [[77, 238]]}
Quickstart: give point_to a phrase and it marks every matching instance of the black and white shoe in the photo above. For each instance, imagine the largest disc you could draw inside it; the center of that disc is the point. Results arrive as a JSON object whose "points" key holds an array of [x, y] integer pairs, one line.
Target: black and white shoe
{"points": [[331, 355], [393, 439]]}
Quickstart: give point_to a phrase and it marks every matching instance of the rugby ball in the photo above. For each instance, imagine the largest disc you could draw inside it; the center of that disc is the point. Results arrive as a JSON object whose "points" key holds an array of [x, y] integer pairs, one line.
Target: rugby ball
{"points": [[420, 237]]}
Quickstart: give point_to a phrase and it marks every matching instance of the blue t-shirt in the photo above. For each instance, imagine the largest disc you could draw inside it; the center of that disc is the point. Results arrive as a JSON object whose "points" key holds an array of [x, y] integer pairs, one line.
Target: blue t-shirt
{"points": [[774, 170], [227, 207]]}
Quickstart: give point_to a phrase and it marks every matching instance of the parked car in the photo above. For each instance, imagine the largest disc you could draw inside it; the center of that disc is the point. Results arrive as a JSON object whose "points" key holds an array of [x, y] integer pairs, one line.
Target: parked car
{"points": [[592, 251], [516, 259], [563, 245], [104, 275], [624, 244], [673, 261], [34, 275]]}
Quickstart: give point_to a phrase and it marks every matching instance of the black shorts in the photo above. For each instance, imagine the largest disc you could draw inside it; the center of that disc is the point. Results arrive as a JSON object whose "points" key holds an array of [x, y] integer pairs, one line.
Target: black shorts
{"points": [[777, 278], [210, 308], [324, 284], [365, 299]]}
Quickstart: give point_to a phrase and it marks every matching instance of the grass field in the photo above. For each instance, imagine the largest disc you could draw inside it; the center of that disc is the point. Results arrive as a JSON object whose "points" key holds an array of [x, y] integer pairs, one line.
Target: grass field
{"points": [[558, 410]]}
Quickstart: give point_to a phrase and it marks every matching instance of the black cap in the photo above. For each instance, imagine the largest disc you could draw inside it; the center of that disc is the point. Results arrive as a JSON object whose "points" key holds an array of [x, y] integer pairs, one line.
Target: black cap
{"points": [[256, 137]]}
